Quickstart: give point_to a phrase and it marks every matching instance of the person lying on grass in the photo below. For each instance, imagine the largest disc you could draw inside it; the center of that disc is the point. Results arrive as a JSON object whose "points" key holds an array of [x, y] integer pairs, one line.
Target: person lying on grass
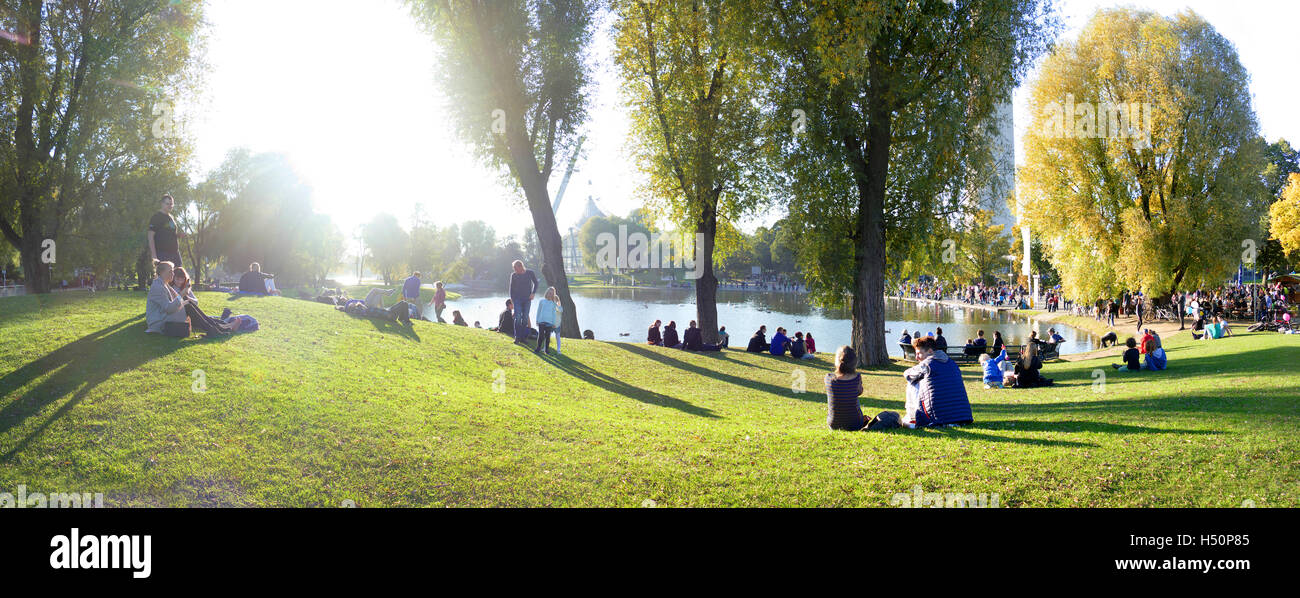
{"points": [[936, 395], [1132, 357]]}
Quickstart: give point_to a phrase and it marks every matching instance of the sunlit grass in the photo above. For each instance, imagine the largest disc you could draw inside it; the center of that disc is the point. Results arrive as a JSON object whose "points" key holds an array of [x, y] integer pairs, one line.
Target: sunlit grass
{"points": [[319, 407]]}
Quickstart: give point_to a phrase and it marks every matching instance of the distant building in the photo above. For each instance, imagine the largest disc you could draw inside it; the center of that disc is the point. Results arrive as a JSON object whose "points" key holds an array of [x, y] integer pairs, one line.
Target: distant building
{"points": [[572, 246]]}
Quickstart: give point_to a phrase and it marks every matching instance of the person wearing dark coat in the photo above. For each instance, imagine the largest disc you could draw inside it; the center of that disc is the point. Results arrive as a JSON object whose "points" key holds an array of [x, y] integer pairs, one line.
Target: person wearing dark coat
{"points": [[653, 338], [670, 336], [758, 342]]}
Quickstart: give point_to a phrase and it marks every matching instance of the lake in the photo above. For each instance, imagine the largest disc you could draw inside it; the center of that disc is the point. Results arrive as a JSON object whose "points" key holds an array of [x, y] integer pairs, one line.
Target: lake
{"points": [[610, 313]]}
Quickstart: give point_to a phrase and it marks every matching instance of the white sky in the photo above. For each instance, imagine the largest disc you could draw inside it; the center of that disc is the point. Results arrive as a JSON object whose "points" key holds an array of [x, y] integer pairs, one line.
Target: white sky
{"points": [[346, 90]]}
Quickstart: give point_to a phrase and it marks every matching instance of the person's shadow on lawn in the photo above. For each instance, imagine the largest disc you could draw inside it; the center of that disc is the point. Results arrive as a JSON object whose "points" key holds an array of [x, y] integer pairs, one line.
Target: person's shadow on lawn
{"points": [[592, 376], [74, 370]]}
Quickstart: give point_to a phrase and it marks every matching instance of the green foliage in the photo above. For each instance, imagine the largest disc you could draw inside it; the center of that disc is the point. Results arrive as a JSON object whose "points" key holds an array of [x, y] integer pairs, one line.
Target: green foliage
{"points": [[82, 90], [388, 246], [1115, 210]]}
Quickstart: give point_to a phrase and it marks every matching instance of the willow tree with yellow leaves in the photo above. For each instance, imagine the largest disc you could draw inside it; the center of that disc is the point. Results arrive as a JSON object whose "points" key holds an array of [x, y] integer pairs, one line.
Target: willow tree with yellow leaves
{"points": [[691, 84], [1143, 157]]}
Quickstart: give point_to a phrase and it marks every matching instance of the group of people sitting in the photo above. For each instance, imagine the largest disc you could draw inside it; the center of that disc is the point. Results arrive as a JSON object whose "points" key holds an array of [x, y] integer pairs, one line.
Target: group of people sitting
{"points": [[1209, 327], [406, 308], [935, 394], [1150, 347], [691, 340], [800, 346], [171, 309]]}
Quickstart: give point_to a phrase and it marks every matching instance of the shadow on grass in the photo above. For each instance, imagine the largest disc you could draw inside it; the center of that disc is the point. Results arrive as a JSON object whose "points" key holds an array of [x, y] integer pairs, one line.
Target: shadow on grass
{"points": [[77, 368], [585, 373], [659, 357], [389, 326], [972, 431]]}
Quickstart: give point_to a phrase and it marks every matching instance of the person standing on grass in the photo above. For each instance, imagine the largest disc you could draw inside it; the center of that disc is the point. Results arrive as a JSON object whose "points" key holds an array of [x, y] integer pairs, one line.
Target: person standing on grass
{"points": [[163, 234], [1182, 309], [439, 300], [548, 321], [411, 292], [1138, 309], [523, 287]]}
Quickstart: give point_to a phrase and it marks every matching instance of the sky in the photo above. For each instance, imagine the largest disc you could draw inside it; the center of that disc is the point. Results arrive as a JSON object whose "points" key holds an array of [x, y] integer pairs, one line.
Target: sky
{"points": [[346, 90]]}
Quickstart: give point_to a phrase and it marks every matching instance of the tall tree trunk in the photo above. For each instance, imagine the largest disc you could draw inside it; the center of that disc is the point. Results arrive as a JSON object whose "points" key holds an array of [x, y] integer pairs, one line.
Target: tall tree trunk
{"points": [[706, 286], [36, 273], [869, 256], [548, 233]]}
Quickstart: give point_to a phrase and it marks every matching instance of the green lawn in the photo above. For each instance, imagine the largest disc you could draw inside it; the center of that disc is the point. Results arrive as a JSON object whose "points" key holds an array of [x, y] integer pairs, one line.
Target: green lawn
{"points": [[318, 408]]}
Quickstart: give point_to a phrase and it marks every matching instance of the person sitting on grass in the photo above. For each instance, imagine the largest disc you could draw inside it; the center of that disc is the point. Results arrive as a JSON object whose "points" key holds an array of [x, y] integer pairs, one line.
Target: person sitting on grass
{"points": [[1132, 358], [257, 282], [936, 395], [1155, 360], [724, 339], [164, 309], [810, 344], [1027, 369], [671, 339], [758, 342], [993, 369], [693, 340], [779, 341], [653, 337], [457, 319], [797, 350], [1198, 329], [506, 321], [548, 320], [843, 387], [209, 325], [1224, 329]]}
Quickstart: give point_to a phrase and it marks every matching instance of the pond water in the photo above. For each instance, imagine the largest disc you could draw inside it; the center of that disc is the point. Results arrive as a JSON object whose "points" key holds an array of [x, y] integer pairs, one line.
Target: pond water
{"points": [[610, 313]]}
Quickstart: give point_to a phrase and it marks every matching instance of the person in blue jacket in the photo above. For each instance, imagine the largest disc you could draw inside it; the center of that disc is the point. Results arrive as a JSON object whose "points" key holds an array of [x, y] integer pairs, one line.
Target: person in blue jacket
{"points": [[993, 369], [936, 395], [779, 341]]}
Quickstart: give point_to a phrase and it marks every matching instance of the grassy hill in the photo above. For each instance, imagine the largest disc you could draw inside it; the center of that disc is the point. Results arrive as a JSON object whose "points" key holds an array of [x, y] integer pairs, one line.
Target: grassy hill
{"points": [[319, 408]]}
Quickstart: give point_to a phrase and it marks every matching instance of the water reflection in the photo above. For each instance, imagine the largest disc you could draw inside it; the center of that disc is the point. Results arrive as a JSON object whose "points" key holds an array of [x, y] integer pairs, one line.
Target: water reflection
{"points": [[624, 315]]}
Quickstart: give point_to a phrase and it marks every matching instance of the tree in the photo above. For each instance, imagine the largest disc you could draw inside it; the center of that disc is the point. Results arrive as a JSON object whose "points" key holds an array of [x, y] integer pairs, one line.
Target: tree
{"points": [[691, 83], [321, 246], [1284, 218], [983, 249], [891, 105], [388, 247], [1143, 158], [80, 88], [515, 74]]}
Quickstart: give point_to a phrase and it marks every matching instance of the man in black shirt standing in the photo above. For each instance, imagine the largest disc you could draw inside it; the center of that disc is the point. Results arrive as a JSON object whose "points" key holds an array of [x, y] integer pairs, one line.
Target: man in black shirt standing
{"points": [[163, 234]]}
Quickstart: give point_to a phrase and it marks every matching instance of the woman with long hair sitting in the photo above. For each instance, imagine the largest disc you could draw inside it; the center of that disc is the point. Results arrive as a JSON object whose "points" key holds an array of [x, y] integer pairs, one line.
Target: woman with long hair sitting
{"points": [[164, 309], [183, 287]]}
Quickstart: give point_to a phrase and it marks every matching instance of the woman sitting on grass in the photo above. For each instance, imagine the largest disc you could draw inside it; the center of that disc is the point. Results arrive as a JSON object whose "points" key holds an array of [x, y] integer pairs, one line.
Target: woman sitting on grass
{"points": [[653, 337], [843, 387], [184, 288], [164, 308], [1132, 357], [936, 395], [1027, 368], [671, 340], [758, 342]]}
